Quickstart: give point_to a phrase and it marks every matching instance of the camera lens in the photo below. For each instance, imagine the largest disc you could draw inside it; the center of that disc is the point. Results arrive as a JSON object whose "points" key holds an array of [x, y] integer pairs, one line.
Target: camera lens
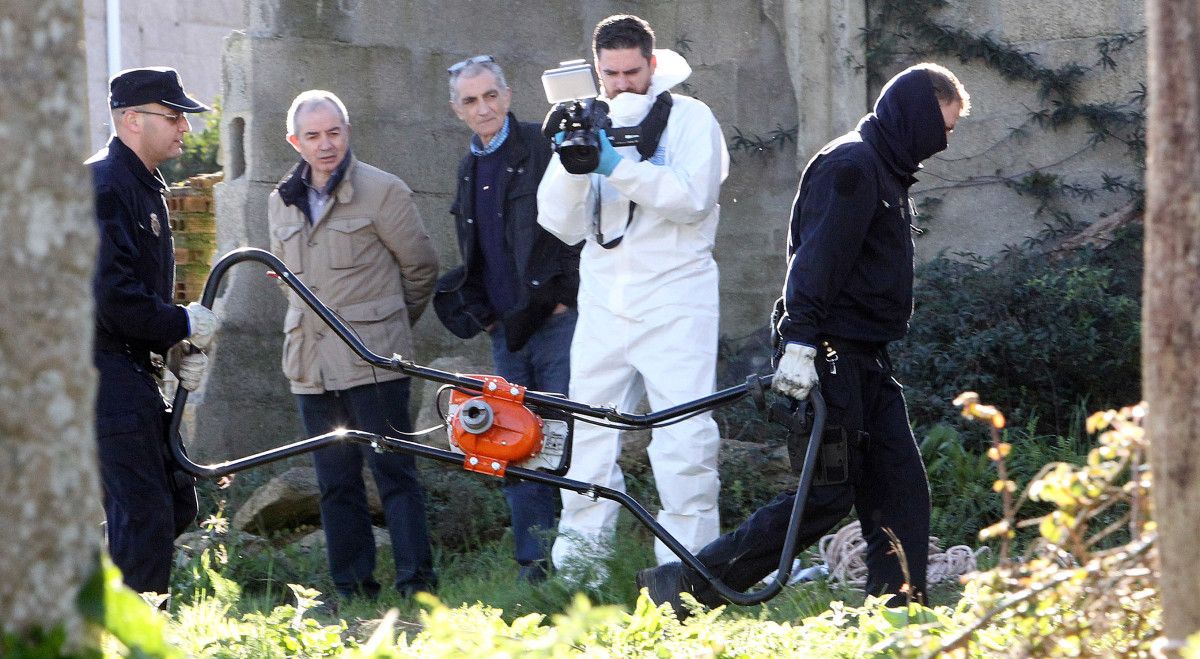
{"points": [[579, 152]]}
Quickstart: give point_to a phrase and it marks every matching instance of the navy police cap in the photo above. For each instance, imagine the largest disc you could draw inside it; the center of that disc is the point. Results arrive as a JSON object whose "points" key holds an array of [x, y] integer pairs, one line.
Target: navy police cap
{"points": [[151, 84]]}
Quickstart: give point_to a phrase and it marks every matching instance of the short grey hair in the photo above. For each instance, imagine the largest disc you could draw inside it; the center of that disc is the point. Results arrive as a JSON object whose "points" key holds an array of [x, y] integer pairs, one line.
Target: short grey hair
{"points": [[946, 86], [312, 97], [472, 70]]}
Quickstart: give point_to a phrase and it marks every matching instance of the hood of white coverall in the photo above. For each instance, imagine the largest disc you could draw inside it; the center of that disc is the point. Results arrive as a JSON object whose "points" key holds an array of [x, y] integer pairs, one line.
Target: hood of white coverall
{"points": [[628, 109]]}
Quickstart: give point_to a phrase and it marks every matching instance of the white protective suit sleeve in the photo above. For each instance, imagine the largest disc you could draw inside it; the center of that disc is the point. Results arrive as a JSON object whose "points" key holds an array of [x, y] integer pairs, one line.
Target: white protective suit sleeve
{"points": [[683, 189], [686, 186], [565, 203]]}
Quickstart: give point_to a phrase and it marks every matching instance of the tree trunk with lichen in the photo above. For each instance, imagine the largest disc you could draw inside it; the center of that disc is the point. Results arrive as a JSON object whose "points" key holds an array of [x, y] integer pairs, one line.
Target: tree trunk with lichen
{"points": [[49, 491], [1171, 309]]}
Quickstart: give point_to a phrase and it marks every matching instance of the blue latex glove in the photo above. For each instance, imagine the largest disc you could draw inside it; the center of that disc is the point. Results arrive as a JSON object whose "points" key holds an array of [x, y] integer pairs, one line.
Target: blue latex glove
{"points": [[608, 155], [558, 137]]}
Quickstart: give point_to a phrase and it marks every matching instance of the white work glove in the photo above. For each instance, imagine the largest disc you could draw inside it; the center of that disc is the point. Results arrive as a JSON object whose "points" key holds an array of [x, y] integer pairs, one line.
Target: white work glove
{"points": [[202, 324], [796, 374], [191, 370]]}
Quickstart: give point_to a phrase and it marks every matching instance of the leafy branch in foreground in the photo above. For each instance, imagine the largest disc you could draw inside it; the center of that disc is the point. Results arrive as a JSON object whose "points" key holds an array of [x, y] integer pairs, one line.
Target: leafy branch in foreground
{"points": [[1076, 590]]}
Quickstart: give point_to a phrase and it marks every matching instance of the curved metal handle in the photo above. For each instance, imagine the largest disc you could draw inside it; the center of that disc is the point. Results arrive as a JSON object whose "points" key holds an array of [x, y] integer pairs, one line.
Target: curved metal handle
{"points": [[791, 537], [793, 531], [399, 364]]}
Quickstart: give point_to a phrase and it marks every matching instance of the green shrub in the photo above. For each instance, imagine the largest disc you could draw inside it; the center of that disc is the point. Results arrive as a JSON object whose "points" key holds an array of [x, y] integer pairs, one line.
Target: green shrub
{"points": [[40, 644], [1038, 336], [961, 475], [465, 510]]}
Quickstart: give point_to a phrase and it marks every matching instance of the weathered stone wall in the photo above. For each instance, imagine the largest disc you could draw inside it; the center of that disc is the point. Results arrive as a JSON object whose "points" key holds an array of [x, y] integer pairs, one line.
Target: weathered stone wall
{"points": [[978, 211], [763, 66]]}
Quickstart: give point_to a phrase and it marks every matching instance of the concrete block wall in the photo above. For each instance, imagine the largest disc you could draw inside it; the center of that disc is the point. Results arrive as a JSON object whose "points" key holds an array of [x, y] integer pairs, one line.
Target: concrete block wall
{"points": [[396, 92], [387, 62], [978, 213]]}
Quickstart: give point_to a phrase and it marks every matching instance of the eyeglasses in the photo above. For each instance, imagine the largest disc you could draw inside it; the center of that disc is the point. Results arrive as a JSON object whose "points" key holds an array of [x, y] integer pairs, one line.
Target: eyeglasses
{"points": [[478, 59], [173, 118]]}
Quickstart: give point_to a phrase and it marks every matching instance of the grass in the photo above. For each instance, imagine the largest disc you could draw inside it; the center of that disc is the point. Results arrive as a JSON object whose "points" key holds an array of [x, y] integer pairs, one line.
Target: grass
{"points": [[473, 555], [487, 576]]}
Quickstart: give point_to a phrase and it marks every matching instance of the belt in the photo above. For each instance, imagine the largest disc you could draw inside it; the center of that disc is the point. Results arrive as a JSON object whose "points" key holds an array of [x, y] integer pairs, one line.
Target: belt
{"points": [[846, 345], [141, 356]]}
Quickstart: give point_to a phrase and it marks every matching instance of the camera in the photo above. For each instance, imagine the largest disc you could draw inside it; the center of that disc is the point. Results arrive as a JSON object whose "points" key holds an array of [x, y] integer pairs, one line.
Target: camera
{"points": [[580, 116]]}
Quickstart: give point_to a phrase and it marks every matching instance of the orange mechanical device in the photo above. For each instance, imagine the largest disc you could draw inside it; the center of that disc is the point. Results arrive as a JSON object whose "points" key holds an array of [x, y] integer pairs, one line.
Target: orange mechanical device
{"points": [[495, 429], [498, 429]]}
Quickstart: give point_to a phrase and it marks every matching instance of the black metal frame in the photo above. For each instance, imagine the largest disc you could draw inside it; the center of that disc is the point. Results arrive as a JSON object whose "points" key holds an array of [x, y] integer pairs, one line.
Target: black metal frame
{"points": [[384, 443]]}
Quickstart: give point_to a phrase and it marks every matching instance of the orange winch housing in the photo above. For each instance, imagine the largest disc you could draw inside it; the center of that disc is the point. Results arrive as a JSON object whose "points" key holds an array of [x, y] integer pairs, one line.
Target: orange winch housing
{"points": [[494, 428]]}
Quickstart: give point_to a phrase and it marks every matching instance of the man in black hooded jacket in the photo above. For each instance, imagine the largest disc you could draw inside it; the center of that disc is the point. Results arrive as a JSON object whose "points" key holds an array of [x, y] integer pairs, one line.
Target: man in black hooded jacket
{"points": [[848, 292]]}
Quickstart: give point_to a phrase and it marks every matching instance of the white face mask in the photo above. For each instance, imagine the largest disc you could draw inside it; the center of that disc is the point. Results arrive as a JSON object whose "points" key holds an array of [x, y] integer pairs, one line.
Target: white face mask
{"points": [[629, 109]]}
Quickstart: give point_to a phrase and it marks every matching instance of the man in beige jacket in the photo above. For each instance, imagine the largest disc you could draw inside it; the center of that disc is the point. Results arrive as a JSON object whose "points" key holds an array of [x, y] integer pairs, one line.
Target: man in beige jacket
{"points": [[352, 233]]}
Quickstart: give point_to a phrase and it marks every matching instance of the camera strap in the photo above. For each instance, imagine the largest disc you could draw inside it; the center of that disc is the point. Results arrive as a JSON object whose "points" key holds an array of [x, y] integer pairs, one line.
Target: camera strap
{"points": [[651, 130]]}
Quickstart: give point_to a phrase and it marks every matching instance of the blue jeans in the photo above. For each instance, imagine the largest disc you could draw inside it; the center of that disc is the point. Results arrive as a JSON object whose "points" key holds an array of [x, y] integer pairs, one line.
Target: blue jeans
{"points": [[350, 541], [542, 364]]}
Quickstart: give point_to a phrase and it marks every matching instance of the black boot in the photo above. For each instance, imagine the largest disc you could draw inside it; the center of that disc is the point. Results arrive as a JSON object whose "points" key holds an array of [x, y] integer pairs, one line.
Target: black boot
{"points": [[664, 585], [534, 572]]}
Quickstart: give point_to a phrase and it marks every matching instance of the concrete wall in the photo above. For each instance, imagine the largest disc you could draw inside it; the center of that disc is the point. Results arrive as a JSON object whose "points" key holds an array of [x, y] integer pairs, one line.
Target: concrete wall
{"points": [[184, 34], [395, 89], [387, 61], [978, 212], [760, 65]]}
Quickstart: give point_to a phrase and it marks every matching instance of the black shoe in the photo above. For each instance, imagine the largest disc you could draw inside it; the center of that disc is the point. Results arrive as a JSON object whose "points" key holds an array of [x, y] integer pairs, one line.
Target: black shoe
{"points": [[664, 584], [326, 609], [410, 590], [533, 573]]}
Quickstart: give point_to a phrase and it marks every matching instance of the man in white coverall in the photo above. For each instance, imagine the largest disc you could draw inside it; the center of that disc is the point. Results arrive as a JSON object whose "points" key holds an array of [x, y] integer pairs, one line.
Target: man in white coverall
{"points": [[648, 299]]}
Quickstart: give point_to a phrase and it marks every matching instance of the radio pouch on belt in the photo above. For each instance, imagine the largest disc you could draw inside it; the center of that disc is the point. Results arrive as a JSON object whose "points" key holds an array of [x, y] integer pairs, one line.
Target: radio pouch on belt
{"points": [[833, 460]]}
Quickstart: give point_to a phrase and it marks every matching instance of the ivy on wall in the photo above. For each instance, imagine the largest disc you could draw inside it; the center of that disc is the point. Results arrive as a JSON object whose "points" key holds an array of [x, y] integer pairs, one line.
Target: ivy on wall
{"points": [[905, 31], [742, 141]]}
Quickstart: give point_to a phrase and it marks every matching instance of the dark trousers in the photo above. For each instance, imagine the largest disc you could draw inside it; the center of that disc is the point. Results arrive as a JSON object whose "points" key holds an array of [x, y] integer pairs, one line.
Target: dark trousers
{"points": [[345, 515], [542, 364], [144, 508], [887, 487]]}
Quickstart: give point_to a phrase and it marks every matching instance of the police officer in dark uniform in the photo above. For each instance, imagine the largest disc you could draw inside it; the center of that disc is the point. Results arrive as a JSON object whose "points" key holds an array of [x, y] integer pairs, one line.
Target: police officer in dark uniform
{"points": [[146, 503], [847, 294]]}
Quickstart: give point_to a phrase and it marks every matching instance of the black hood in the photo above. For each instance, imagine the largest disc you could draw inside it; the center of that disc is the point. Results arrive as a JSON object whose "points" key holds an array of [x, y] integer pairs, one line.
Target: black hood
{"points": [[906, 126]]}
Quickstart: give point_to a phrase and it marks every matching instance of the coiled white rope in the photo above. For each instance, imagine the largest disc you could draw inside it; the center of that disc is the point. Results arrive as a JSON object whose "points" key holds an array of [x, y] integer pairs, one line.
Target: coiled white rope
{"points": [[844, 553]]}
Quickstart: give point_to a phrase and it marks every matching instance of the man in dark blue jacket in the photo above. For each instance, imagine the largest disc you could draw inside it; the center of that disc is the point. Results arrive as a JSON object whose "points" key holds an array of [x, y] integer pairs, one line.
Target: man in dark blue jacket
{"points": [[146, 504], [517, 281], [848, 292]]}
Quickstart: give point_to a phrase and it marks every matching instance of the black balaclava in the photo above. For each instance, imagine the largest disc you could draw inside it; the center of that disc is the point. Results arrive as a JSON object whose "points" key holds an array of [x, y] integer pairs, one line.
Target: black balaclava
{"points": [[906, 126]]}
